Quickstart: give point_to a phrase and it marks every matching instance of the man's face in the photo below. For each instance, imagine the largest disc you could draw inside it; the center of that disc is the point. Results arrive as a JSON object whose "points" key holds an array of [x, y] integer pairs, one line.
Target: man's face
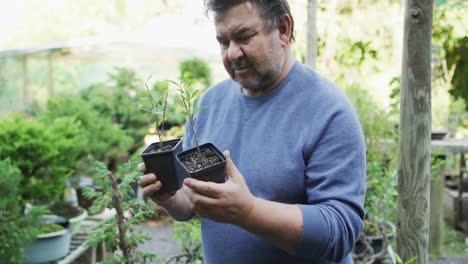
{"points": [[252, 54]]}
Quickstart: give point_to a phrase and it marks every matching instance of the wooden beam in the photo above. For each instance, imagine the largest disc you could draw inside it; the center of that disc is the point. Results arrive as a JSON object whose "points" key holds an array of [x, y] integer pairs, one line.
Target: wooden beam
{"points": [[415, 133]]}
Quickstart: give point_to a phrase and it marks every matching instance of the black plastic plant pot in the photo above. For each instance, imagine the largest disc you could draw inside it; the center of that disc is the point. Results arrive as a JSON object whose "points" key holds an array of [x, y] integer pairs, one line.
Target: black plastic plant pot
{"points": [[213, 173], [163, 164]]}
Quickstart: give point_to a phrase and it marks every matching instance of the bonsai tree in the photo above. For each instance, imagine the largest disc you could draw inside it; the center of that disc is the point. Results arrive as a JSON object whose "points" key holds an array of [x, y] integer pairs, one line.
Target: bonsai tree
{"points": [[45, 155], [117, 193]]}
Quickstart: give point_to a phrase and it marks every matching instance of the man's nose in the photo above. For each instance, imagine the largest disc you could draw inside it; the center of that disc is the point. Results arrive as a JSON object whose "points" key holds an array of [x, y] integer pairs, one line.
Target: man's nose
{"points": [[234, 51]]}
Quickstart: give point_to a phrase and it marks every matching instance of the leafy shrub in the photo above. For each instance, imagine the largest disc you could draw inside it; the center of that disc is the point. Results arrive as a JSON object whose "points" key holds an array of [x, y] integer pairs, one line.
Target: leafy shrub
{"points": [[15, 227], [375, 124], [450, 47], [116, 99], [198, 71], [119, 232], [381, 143], [45, 154], [188, 233], [103, 139]]}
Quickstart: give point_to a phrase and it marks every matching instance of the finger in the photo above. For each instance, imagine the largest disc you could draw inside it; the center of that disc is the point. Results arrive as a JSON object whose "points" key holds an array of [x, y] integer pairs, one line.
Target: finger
{"points": [[231, 169], [141, 167], [209, 189], [200, 202], [152, 189], [147, 179]]}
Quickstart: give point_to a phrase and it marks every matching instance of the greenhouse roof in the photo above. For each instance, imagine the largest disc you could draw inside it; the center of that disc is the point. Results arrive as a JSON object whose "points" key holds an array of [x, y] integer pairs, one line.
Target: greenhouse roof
{"points": [[171, 37]]}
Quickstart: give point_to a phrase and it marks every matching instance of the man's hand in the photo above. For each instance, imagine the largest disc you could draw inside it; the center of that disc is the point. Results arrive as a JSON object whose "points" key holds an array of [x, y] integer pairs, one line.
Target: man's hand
{"points": [[150, 185], [229, 202]]}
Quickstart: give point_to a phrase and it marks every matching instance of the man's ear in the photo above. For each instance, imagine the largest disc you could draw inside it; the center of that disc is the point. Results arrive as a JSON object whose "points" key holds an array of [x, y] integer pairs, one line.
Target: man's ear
{"points": [[285, 30]]}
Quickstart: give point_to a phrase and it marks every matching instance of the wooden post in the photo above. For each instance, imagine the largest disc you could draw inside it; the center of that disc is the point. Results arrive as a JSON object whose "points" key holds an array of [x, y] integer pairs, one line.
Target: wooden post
{"points": [[24, 64], [51, 75], [436, 220], [415, 133], [311, 50]]}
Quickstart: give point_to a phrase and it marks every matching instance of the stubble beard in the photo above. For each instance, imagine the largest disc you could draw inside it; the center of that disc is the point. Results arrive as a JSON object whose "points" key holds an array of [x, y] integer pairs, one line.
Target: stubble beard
{"points": [[262, 76]]}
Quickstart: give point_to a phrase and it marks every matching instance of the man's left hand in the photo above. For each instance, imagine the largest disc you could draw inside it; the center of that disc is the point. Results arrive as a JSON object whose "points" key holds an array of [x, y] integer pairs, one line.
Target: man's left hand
{"points": [[229, 202]]}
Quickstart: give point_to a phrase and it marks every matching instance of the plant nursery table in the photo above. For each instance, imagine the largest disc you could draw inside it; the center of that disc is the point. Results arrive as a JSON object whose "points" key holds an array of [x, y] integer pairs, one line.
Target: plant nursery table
{"points": [[78, 244]]}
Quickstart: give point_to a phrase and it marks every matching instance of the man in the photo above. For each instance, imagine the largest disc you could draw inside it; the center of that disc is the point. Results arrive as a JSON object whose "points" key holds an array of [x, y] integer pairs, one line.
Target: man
{"points": [[296, 162]]}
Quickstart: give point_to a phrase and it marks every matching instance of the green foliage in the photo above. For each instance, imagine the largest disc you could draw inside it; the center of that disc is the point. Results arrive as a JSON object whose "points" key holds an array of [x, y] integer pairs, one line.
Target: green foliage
{"points": [[173, 108], [198, 70], [381, 198], [451, 48], [358, 52], [117, 193], [116, 100], [176, 132], [457, 55], [103, 139], [375, 124], [437, 165], [15, 227], [45, 154], [409, 261], [158, 106], [189, 96], [188, 233], [453, 243], [381, 137]]}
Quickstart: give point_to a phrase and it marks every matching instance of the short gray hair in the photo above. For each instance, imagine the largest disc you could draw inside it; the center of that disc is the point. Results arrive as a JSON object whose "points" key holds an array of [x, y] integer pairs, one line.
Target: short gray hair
{"points": [[272, 10]]}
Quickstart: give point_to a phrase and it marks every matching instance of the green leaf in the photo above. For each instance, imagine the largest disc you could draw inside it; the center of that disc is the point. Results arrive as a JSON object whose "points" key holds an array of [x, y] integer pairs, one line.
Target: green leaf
{"points": [[198, 110]]}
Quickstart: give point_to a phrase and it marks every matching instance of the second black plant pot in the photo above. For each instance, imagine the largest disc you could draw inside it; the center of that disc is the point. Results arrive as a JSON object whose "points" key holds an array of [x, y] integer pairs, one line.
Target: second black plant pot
{"points": [[213, 173], [163, 164]]}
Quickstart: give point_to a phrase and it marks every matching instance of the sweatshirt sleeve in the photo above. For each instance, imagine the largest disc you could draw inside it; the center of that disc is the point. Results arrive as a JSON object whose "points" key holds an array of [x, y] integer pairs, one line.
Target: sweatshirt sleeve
{"points": [[335, 184]]}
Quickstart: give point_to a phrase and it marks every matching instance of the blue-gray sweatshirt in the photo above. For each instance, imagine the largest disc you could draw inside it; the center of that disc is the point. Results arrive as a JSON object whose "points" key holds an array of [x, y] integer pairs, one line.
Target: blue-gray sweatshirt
{"points": [[300, 144]]}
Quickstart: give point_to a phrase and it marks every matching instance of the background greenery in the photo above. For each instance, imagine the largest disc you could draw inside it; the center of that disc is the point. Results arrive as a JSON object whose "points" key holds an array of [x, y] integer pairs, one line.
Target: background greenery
{"points": [[95, 113]]}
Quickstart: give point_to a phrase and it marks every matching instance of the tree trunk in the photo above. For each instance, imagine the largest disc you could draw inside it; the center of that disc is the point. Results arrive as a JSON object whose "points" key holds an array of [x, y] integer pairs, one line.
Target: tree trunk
{"points": [[311, 50], [415, 133]]}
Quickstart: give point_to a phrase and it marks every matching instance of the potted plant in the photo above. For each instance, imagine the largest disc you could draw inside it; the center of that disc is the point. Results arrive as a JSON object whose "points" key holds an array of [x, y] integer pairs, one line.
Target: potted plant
{"points": [[373, 242], [52, 242], [203, 162], [74, 214], [159, 157]]}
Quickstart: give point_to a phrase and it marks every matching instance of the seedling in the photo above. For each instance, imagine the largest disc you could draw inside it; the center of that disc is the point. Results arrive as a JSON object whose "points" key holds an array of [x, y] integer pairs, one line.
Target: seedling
{"points": [[189, 97], [158, 112]]}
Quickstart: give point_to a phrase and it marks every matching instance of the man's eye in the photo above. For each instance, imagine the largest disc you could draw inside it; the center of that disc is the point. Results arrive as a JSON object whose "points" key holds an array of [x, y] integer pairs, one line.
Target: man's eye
{"points": [[244, 39], [223, 43]]}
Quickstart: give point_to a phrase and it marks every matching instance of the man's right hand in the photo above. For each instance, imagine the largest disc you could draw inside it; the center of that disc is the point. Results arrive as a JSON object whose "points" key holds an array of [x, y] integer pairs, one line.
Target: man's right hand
{"points": [[150, 185]]}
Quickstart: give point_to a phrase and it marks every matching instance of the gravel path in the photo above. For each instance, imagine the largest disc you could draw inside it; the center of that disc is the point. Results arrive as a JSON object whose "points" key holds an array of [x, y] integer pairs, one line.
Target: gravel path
{"points": [[162, 242]]}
